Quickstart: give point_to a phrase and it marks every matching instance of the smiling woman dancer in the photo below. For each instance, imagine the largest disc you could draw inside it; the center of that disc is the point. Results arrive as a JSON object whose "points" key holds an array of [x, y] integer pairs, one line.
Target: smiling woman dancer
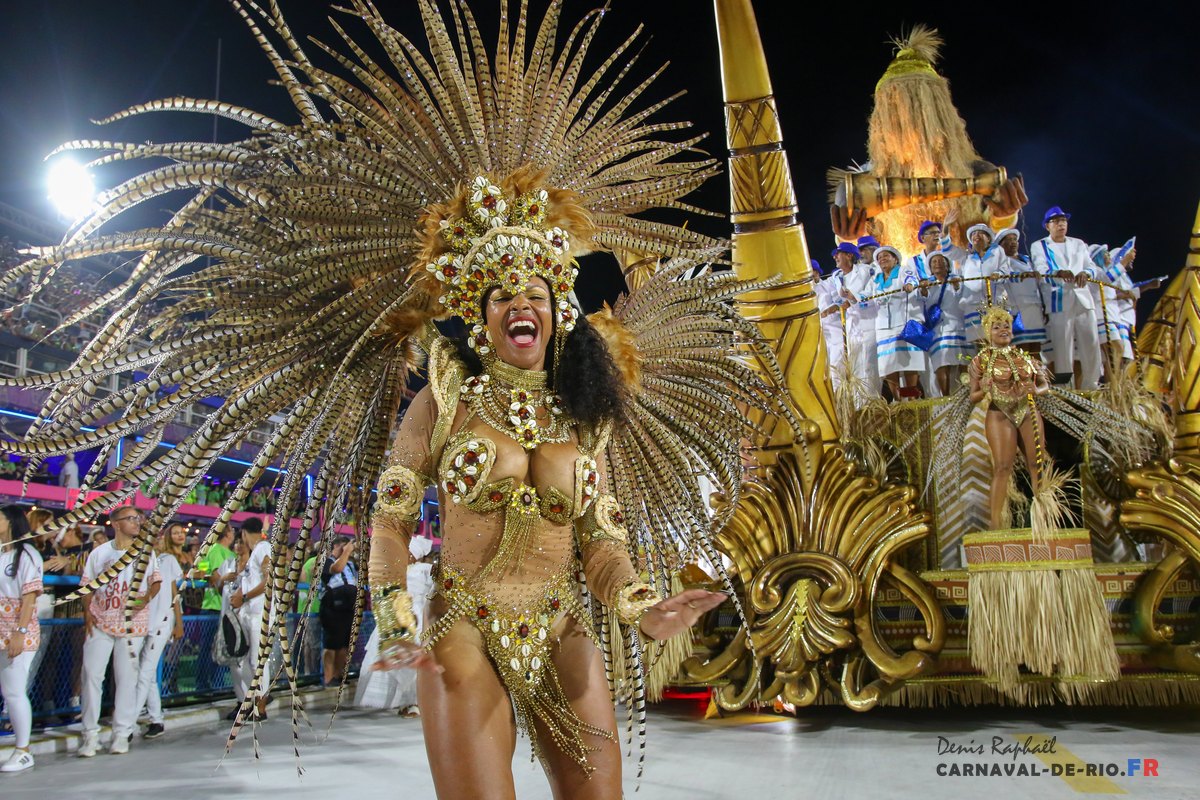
{"points": [[300, 283]]}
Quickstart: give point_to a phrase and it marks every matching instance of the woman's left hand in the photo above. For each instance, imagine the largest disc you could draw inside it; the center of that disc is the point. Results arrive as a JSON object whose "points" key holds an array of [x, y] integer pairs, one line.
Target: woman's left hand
{"points": [[678, 613], [16, 645]]}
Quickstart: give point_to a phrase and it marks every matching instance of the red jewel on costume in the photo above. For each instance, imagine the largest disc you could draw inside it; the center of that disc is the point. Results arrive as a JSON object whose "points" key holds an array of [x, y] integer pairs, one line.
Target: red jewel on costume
{"points": [[395, 491], [554, 603], [495, 496], [506, 260], [523, 630], [618, 517], [482, 612], [534, 209], [489, 202], [448, 583], [557, 508], [449, 271]]}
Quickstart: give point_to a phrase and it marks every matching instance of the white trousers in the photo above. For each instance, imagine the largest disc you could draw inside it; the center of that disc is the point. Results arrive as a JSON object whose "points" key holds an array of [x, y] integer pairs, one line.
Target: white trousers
{"points": [[14, 686], [243, 672], [98, 650], [1073, 337], [147, 681]]}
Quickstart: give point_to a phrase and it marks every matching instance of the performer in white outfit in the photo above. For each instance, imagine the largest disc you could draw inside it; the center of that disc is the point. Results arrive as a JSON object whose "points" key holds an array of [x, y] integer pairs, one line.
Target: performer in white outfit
{"points": [[1128, 293], [249, 600], [166, 624], [833, 304], [1065, 266], [110, 638], [930, 236], [860, 317], [950, 352], [20, 636], [1024, 289], [867, 245], [978, 268], [397, 688], [891, 294]]}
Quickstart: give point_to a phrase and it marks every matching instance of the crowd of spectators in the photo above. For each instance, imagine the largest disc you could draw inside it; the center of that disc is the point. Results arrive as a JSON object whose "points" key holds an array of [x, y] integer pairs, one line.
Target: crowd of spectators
{"points": [[38, 321]]}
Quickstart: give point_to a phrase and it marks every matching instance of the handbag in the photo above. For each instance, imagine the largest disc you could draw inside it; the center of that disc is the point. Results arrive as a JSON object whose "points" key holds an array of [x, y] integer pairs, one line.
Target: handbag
{"points": [[920, 334]]}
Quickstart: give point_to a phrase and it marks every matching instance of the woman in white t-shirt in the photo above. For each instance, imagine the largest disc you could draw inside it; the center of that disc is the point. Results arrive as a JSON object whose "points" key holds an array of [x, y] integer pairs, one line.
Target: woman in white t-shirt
{"points": [[20, 585], [166, 623]]}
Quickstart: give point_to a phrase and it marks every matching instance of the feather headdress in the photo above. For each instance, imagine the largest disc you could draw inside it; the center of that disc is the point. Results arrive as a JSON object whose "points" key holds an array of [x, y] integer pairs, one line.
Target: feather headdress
{"points": [[296, 277]]}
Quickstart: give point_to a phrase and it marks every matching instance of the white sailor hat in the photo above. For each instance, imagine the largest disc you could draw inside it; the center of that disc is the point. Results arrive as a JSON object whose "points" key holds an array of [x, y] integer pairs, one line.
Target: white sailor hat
{"points": [[888, 249], [1008, 232], [982, 226]]}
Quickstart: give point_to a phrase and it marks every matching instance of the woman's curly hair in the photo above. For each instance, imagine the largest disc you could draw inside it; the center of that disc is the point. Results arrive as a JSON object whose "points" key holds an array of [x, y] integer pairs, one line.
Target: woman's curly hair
{"points": [[588, 380]]}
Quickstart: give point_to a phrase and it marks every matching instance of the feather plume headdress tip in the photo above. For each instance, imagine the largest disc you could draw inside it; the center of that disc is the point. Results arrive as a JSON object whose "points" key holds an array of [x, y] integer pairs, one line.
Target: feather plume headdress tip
{"points": [[622, 345]]}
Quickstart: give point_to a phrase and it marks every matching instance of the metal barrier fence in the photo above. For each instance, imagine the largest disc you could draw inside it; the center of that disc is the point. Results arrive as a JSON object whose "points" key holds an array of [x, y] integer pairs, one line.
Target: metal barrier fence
{"points": [[186, 673]]}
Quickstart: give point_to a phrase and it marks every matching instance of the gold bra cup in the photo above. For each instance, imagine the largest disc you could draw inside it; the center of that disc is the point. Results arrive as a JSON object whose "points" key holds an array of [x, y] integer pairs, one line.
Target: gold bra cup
{"points": [[463, 477]]}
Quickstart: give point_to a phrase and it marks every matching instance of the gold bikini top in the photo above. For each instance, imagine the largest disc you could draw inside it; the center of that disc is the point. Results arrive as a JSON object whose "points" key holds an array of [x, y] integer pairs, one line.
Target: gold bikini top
{"points": [[467, 462]]}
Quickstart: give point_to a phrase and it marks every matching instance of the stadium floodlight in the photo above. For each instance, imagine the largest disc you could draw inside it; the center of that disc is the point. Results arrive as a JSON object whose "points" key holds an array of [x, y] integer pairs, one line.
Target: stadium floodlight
{"points": [[71, 188]]}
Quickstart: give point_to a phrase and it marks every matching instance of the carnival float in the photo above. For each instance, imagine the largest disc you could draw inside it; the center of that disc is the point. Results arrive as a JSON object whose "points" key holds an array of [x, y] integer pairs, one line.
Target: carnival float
{"points": [[867, 566]]}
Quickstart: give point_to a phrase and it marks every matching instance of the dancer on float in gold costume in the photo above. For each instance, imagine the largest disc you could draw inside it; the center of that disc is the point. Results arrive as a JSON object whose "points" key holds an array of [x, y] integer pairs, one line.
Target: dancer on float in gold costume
{"points": [[300, 281], [1020, 399], [1009, 380]]}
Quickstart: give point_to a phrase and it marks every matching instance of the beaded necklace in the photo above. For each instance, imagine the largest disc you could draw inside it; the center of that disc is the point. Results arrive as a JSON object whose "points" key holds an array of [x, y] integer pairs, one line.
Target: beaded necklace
{"points": [[507, 398]]}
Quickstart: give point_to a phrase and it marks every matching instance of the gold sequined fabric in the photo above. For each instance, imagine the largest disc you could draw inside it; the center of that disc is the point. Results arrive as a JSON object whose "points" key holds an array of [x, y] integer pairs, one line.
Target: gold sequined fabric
{"points": [[519, 643]]}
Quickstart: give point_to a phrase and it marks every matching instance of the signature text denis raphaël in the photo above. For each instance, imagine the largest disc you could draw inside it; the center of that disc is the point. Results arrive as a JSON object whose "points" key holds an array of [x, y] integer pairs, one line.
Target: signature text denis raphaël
{"points": [[999, 746]]}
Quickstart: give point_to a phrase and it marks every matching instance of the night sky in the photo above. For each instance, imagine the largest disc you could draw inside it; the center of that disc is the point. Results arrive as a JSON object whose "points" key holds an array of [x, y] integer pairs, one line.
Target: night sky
{"points": [[1098, 111]]}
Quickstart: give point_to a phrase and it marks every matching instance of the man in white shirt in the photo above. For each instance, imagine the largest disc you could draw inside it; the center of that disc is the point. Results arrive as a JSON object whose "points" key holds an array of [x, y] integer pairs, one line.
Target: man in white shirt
{"points": [[832, 302], [109, 637], [929, 234], [979, 268], [69, 476], [1065, 263], [250, 599]]}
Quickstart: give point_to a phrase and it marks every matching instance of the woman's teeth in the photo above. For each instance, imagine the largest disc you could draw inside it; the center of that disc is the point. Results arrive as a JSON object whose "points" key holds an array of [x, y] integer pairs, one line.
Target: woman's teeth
{"points": [[522, 332]]}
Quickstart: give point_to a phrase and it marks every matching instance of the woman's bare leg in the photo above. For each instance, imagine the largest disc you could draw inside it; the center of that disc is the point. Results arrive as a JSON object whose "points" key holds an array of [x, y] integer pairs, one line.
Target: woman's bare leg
{"points": [[942, 376], [1002, 441], [892, 381], [580, 667], [467, 717]]}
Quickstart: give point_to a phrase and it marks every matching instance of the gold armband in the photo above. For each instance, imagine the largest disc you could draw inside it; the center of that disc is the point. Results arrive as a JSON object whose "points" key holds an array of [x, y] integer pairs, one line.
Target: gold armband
{"points": [[603, 521], [635, 600], [400, 493], [394, 617]]}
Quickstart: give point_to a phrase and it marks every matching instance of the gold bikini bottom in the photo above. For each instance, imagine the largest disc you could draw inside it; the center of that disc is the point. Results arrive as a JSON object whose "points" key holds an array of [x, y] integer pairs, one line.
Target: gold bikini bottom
{"points": [[518, 643]]}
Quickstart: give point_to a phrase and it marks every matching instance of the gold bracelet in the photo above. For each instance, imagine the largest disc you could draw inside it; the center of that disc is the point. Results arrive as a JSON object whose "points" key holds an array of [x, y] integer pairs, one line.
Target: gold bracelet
{"points": [[634, 601], [394, 617]]}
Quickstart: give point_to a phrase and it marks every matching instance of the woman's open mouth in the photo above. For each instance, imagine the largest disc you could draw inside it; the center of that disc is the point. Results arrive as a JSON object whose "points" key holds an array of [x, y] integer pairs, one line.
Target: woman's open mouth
{"points": [[522, 332]]}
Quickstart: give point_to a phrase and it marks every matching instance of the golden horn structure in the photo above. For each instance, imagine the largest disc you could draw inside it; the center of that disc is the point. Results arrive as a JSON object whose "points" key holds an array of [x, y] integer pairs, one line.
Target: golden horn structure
{"points": [[1186, 369], [875, 195], [768, 240], [1166, 502]]}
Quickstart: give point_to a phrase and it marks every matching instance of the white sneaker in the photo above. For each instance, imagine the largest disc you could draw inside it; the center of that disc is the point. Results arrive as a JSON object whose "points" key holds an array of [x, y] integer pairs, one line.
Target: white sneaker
{"points": [[119, 746], [87, 747], [19, 761]]}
